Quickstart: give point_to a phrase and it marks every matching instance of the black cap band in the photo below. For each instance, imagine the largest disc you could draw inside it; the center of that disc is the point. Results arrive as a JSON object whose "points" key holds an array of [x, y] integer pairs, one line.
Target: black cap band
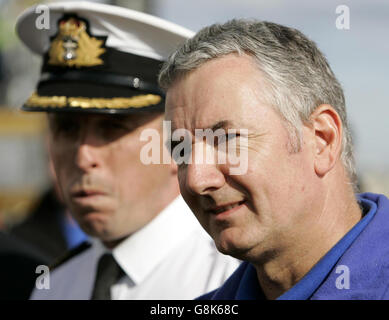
{"points": [[103, 78]]}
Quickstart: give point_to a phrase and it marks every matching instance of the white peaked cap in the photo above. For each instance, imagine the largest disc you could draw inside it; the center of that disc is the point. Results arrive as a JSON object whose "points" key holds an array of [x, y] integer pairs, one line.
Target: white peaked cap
{"points": [[127, 30]]}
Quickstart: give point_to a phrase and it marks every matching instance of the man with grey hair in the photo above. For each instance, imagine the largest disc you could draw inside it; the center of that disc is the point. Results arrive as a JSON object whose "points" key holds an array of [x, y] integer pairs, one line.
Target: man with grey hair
{"points": [[294, 216]]}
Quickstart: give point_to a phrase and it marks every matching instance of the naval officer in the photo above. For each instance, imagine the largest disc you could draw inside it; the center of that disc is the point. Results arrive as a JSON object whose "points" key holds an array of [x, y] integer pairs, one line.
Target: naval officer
{"points": [[99, 89]]}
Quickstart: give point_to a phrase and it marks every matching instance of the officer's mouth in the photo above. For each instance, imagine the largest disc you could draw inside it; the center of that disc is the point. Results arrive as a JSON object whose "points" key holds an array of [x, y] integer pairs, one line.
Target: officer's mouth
{"points": [[87, 196]]}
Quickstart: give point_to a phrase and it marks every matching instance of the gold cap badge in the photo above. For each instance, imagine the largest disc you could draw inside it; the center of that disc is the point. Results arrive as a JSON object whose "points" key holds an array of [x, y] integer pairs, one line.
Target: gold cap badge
{"points": [[73, 46]]}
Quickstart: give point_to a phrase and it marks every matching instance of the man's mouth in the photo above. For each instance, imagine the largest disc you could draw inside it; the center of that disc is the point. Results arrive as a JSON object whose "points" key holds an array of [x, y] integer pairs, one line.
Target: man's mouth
{"points": [[87, 197], [86, 193], [225, 208]]}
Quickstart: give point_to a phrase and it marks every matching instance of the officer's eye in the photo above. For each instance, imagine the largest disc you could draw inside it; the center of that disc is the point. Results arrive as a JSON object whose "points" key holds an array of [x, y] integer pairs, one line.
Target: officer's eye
{"points": [[109, 125], [66, 127]]}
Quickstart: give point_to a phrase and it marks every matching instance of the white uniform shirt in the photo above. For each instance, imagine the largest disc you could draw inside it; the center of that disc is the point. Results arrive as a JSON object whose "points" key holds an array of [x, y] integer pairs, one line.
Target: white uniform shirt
{"points": [[172, 257]]}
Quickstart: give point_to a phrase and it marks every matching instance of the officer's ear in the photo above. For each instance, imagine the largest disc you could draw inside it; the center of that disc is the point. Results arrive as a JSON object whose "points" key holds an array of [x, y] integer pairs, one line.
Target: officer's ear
{"points": [[327, 134]]}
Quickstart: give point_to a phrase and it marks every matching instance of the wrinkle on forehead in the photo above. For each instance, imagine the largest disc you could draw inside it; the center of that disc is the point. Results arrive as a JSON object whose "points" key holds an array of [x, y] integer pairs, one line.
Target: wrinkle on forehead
{"points": [[197, 99]]}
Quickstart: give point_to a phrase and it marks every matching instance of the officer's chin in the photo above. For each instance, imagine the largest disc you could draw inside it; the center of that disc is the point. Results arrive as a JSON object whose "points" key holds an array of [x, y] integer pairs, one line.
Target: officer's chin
{"points": [[95, 224], [110, 244]]}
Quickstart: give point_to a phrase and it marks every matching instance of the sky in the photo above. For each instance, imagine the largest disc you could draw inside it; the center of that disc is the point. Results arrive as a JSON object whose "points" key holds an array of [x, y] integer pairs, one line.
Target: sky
{"points": [[359, 56]]}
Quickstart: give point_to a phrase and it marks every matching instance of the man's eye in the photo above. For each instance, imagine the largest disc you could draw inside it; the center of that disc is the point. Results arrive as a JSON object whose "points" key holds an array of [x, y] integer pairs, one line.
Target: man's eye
{"points": [[114, 126], [180, 151], [111, 130], [66, 127], [226, 137]]}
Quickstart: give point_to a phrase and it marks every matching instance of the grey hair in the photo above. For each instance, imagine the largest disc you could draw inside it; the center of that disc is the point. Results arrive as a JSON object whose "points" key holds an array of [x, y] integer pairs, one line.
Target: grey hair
{"points": [[297, 75]]}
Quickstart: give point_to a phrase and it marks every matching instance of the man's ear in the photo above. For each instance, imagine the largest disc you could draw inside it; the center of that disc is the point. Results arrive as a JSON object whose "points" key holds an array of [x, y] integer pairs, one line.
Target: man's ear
{"points": [[328, 129]]}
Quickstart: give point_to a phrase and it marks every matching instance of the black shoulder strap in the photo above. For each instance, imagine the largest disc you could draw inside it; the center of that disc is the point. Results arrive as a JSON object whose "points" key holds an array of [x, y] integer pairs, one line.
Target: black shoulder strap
{"points": [[70, 254]]}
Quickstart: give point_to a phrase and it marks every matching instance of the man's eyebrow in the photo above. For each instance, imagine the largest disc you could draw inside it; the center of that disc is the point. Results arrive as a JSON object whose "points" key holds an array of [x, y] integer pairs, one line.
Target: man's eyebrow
{"points": [[224, 124]]}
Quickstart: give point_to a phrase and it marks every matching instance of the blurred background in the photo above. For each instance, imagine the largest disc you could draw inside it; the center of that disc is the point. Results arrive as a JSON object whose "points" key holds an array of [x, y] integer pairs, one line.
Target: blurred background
{"points": [[359, 57]]}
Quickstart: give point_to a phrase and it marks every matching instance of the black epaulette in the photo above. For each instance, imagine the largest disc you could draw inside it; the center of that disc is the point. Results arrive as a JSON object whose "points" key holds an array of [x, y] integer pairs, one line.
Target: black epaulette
{"points": [[70, 254]]}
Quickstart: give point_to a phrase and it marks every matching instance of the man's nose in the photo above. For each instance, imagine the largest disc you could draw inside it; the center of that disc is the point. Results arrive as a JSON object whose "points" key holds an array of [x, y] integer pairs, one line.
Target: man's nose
{"points": [[202, 176], [88, 151]]}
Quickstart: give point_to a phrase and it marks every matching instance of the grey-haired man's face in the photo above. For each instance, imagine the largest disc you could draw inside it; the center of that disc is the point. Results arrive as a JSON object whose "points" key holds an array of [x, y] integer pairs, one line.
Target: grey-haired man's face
{"points": [[245, 214]]}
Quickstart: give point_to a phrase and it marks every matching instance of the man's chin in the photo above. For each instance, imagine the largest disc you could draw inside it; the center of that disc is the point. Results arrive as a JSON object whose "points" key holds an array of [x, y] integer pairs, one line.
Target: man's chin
{"points": [[103, 231], [94, 224], [232, 246], [112, 242]]}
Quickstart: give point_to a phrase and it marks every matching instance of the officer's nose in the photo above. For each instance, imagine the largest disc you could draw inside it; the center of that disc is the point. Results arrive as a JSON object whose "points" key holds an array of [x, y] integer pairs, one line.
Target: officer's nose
{"points": [[88, 150], [202, 175]]}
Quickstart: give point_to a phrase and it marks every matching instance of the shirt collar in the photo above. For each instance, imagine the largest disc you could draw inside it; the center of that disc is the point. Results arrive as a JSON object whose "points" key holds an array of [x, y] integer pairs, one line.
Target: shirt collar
{"points": [[314, 278], [249, 288], [140, 253]]}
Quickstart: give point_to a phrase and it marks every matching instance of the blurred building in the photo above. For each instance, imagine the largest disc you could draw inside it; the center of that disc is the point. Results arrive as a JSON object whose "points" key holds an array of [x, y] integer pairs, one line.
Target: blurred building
{"points": [[23, 163]]}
